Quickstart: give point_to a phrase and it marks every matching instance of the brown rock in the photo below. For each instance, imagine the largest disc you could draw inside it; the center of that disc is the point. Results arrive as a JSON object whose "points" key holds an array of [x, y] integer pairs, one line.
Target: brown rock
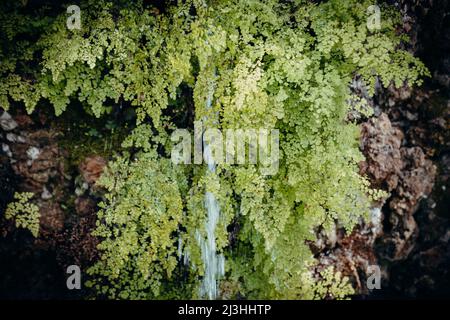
{"points": [[92, 168], [84, 206], [352, 256], [52, 217], [381, 143], [42, 138], [77, 245], [23, 120]]}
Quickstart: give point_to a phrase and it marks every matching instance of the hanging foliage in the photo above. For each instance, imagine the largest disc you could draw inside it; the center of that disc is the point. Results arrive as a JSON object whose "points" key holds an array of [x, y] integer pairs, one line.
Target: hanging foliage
{"points": [[274, 65]]}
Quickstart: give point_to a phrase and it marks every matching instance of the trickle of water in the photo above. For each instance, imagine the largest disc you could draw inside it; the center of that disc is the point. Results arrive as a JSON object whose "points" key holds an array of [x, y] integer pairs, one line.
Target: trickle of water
{"points": [[180, 248], [214, 263]]}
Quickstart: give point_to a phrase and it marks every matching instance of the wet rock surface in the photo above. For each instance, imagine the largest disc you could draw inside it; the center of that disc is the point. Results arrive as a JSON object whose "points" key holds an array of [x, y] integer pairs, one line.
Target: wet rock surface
{"points": [[35, 157], [406, 145], [33, 161], [414, 246], [403, 171]]}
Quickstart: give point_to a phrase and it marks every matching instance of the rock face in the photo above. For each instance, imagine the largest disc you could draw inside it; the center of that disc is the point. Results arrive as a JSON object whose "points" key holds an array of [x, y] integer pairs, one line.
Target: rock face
{"points": [[91, 169], [85, 206], [77, 245], [8, 183], [7, 123], [35, 157], [352, 255], [407, 146], [403, 171], [400, 232], [32, 160], [381, 143], [415, 246]]}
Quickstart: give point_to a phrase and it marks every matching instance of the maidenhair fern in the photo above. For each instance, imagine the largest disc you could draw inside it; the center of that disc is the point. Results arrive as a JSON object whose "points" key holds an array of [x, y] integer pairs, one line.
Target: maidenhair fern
{"points": [[139, 217], [24, 213], [276, 65]]}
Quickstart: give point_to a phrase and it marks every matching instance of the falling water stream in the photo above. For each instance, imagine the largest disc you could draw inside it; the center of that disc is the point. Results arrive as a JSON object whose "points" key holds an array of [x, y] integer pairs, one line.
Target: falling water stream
{"points": [[213, 262]]}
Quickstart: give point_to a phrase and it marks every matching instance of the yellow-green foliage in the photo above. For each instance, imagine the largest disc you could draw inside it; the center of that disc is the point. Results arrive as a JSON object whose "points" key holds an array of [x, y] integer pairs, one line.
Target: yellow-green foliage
{"points": [[24, 213], [137, 220], [270, 64], [332, 285]]}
